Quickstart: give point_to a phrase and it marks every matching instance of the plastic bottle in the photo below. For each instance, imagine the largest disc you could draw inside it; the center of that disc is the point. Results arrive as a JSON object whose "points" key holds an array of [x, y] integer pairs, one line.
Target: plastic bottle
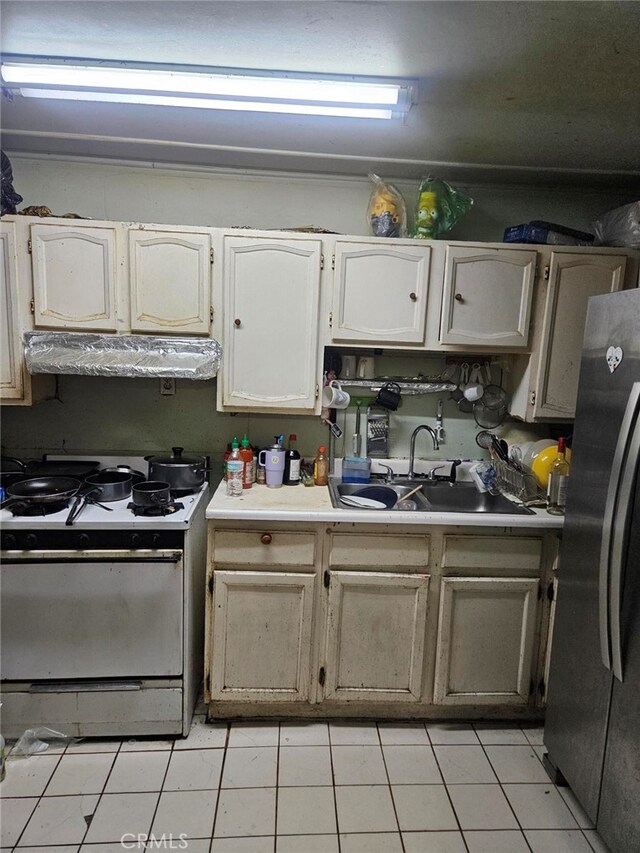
{"points": [[246, 454], [558, 480], [234, 471], [225, 457], [292, 463], [321, 467]]}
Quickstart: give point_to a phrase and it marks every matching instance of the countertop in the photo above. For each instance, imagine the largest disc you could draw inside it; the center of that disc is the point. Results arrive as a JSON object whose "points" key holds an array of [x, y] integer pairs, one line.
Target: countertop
{"points": [[313, 504]]}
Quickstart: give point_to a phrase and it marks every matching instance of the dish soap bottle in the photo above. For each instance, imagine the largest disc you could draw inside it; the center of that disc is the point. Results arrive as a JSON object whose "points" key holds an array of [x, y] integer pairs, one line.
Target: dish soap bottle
{"points": [[321, 467], [246, 454], [558, 479], [292, 463], [234, 471]]}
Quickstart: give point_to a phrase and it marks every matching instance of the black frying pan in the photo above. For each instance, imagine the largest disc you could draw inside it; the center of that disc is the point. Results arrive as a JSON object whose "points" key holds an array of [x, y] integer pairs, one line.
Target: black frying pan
{"points": [[42, 490]]}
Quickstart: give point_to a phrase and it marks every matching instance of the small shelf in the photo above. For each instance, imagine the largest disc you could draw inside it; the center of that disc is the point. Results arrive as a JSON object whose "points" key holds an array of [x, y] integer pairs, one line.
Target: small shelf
{"points": [[408, 387]]}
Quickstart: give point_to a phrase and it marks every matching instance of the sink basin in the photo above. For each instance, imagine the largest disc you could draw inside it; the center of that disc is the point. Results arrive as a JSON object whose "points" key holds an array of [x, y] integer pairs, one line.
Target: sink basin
{"points": [[376, 490], [434, 496]]}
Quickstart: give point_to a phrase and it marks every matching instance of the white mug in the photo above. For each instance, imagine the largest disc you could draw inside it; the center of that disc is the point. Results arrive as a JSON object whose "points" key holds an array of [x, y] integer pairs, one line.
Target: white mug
{"points": [[474, 390], [348, 367], [366, 367], [333, 397]]}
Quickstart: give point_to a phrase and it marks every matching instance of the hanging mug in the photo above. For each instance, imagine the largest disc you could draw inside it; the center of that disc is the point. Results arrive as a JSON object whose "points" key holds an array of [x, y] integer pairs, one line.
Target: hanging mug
{"points": [[333, 397], [388, 396]]}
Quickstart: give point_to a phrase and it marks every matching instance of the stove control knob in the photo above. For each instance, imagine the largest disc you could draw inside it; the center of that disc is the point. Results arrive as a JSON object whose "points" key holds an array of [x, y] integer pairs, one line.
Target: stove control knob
{"points": [[155, 540], [9, 541], [31, 540], [135, 540], [83, 540]]}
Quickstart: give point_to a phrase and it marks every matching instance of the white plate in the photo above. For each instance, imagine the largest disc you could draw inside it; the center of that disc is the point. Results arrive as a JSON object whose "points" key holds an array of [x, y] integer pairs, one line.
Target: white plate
{"points": [[362, 503]]}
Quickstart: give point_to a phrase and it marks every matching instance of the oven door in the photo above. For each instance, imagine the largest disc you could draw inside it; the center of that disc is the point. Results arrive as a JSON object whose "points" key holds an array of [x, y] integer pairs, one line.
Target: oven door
{"points": [[91, 614]]}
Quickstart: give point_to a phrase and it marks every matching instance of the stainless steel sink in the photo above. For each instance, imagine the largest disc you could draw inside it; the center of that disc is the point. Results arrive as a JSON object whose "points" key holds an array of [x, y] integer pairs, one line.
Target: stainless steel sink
{"points": [[434, 496]]}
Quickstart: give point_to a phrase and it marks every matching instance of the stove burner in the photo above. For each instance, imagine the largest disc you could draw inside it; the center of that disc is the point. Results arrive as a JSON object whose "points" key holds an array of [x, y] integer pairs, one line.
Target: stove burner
{"points": [[163, 509], [38, 509]]}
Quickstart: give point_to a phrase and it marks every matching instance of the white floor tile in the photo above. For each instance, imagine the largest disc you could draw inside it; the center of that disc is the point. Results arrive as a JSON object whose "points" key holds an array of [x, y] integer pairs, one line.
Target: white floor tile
{"points": [[365, 808], [196, 845], [28, 777], [59, 820], [433, 842], [304, 734], [188, 812], [411, 765], [582, 818], [371, 842], [147, 744], [259, 844], [120, 813], [15, 814], [111, 847], [135, 772], [455, 733], [203, 736], [496, 841], [534, 734], [500, 733], [346, 734], [67, 848], [81, 774], [597, 844], [423, 807], [557, 841], [358, 765], [539, 807], [251, 767], [540, 751], [481, 807], [249, 811], [94, 745], [464, 765], [403, 733], [305, 765], [306, 811], [306, 843], [516, 764], [253, 734], [194, 769]]}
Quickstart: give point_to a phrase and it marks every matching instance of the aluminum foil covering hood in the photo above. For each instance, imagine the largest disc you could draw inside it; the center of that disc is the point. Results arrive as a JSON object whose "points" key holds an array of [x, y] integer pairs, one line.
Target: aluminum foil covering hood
{"points": [[142, 356]]}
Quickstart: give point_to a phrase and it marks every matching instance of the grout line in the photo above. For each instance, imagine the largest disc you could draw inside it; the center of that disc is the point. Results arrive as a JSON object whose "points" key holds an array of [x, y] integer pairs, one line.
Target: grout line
{"points": [[99, 800], [333, 786], [393, 800], [224, 759], [164, 779], [275, 821], [446, 787]]}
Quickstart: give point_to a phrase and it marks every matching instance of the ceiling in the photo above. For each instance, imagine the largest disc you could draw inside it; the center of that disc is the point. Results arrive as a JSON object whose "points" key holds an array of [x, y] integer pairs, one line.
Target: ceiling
{"points": [[540, 92]]}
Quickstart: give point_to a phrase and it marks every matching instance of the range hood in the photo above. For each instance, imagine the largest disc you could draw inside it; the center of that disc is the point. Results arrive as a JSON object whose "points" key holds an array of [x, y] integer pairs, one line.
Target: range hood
{"points": [[134, 356]]}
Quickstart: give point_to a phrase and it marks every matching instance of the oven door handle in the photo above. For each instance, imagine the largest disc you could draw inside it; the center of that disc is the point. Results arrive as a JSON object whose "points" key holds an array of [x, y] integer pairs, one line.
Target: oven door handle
{"points": [[83, 686]]}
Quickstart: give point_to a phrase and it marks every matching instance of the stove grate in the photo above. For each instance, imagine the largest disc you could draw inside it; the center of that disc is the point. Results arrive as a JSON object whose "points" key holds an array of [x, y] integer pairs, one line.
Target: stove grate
{"points": [[154, 511], [37, 509]]}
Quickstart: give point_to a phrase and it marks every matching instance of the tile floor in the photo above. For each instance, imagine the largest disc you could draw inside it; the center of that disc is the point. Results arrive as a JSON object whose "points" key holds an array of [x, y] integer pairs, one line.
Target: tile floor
{"points": [[337, 787]]}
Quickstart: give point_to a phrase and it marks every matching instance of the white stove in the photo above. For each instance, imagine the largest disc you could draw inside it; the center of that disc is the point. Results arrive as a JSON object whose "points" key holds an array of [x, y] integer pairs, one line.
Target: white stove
{"points": [[103, 621]]}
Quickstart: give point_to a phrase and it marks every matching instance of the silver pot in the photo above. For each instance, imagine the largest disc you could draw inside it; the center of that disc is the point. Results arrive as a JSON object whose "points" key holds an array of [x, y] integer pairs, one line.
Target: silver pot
{"points": [[181, 472]]}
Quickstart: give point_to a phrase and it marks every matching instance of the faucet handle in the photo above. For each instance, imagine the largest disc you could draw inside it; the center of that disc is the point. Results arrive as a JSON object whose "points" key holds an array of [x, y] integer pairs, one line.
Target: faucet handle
{"points": [[432, 472], [390, 472]]}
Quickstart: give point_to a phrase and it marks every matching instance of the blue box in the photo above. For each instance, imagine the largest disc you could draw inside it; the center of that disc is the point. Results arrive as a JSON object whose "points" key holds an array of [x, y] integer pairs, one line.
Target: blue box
{"points": [[356, 469]]}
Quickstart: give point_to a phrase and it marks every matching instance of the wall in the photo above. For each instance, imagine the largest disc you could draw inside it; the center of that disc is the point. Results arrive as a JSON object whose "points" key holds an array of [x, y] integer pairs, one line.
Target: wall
{"points": [[91, 414]]}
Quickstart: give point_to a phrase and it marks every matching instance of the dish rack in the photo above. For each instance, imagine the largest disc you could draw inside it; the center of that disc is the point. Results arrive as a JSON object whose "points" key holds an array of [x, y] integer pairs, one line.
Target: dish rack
{"points": [[521, 484]]}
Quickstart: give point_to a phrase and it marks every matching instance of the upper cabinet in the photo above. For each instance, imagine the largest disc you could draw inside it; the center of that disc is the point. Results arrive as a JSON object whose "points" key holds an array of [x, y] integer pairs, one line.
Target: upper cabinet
{"points": [[486, 297], [170, 273], [11, 371], [270, 292], [545, 387], [75, 269], [380, 292]]}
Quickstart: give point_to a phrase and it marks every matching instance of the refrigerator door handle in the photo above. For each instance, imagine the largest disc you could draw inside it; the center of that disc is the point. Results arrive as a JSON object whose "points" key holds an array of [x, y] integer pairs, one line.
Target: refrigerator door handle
{"points": [[614, 533]]}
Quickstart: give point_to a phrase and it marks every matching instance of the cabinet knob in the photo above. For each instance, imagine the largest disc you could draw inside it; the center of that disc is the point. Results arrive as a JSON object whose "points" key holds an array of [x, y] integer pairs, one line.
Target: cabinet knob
{"points": [[266, 538], [237, 322], [458, 297], [413, 297]]}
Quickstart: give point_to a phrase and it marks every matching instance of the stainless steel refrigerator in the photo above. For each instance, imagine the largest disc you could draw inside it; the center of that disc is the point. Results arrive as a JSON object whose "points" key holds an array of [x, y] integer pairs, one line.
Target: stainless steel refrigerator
{"points": [[592, 729]]}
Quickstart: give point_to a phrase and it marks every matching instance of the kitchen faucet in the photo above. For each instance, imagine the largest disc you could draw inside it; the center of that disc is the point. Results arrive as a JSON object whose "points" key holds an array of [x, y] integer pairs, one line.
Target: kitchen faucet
{"points": [[412, 445]]}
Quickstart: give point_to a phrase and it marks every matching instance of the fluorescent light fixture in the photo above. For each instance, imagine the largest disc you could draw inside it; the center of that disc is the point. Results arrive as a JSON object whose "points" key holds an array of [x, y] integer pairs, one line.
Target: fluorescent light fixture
{"points": [[206, 88]]}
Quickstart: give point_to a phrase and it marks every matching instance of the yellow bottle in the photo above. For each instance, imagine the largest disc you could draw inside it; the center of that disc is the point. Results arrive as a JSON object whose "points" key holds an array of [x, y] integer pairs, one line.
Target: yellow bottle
{"points": [[321, 467]]}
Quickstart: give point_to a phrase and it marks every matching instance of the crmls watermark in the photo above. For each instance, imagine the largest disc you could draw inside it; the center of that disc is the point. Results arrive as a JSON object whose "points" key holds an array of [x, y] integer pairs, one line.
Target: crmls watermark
{"points": [[166, 841]]}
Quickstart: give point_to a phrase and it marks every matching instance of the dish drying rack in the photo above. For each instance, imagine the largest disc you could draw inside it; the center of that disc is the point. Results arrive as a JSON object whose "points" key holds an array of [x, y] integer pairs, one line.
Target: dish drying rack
{"points": [[514, 481]]}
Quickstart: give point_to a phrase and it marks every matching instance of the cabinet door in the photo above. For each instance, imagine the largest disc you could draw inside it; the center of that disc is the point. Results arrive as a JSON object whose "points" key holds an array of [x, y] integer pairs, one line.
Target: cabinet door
{"points": [[261, 639], [380, 292], [74, 277], [11, 374], [486, 300], [573, 279], [375, 643], [486, 637], [271, 295], [170, 277]]}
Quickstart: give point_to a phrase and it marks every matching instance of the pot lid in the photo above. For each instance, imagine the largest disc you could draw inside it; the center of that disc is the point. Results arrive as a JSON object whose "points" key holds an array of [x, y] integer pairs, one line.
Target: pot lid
{"points": [[177, 458]]}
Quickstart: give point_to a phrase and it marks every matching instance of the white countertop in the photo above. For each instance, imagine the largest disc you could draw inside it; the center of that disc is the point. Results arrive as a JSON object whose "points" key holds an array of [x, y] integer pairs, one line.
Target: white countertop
{"points": [[313, 504]]}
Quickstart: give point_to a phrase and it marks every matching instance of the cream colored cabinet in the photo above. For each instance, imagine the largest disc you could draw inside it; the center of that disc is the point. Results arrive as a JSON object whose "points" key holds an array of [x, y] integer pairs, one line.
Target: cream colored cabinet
{"points": [[75, 276], [486, 633], [375, 638], [486, 297], [170, 280], [380, 291], [546, 386], [271, 291], [261, 637], [11, 358]]}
